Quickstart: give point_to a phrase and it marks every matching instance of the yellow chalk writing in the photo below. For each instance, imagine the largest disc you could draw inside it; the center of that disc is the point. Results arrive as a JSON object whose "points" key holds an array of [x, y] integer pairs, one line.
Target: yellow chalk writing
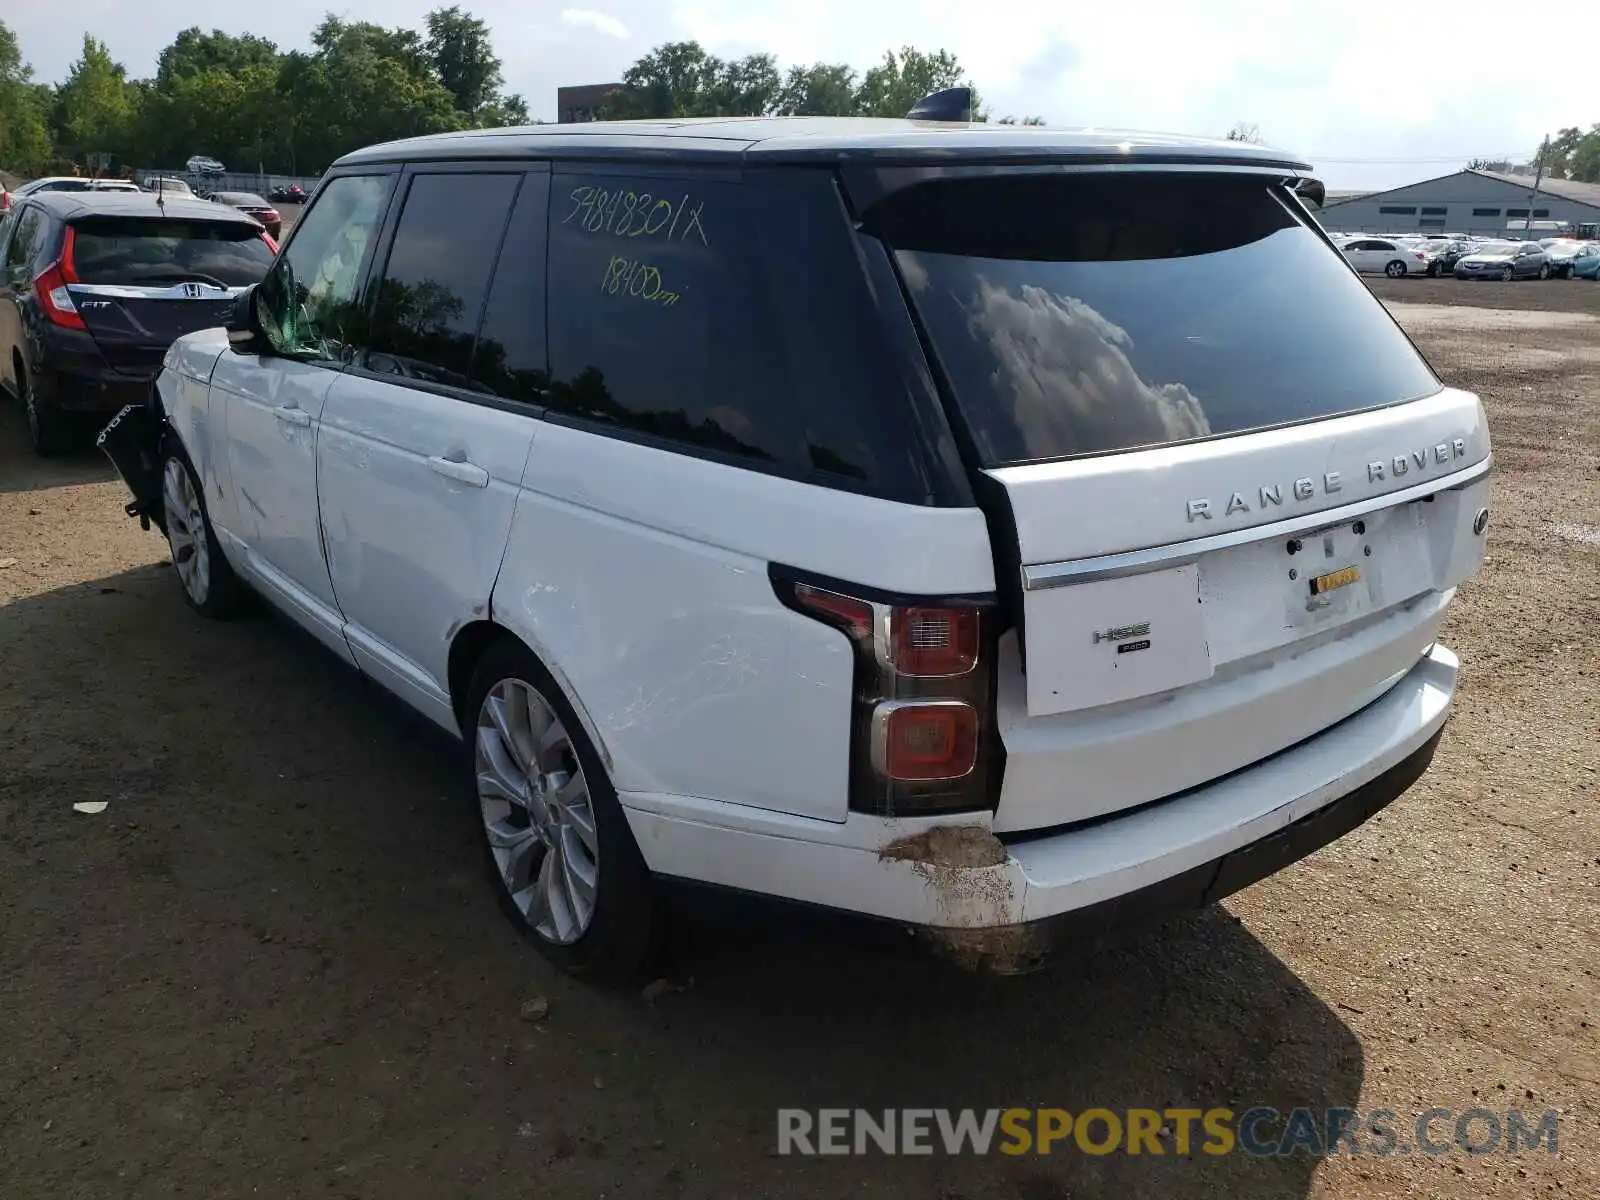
{"points": [[630, 277], [623, 212]]}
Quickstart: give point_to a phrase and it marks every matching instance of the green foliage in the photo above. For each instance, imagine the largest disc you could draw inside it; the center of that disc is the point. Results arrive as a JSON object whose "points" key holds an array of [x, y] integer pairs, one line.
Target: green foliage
{"points": [[239, 99], [680, 79], [894, 86], [24, 129]]}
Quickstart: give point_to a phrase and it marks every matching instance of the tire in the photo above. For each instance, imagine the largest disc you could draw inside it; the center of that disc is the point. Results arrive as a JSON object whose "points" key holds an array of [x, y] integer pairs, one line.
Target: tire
{"points": [[1507, 274], [1395, 270], [49, 430], [555, 837], [1544, 270], [209, 584]]}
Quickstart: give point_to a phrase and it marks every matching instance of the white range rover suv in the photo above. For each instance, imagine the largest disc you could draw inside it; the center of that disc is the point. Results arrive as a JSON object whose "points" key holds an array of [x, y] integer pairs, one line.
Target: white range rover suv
{"points": [[1001, 531]]}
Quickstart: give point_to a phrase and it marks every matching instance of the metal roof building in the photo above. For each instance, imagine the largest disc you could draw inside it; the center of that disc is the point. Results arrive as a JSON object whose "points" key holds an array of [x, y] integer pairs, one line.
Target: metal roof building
{"points": [[1467, 201]]}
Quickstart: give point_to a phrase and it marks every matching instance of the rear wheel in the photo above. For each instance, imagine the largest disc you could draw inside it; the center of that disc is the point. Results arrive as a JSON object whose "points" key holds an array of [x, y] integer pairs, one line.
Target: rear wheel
{"points": [[1395, 269], [1507, 274], [49, 431], [565, 866], [209, 584], [1544, 271]]}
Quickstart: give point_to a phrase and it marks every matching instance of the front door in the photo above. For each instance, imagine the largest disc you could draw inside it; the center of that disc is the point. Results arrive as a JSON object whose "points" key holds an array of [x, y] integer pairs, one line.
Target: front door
{"points": [[19, 245], [273, 402], [418, 461]]}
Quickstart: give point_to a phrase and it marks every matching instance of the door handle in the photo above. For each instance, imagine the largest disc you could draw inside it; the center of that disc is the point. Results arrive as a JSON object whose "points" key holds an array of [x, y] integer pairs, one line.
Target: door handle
{"points": [[460, 470], [291, 415]]}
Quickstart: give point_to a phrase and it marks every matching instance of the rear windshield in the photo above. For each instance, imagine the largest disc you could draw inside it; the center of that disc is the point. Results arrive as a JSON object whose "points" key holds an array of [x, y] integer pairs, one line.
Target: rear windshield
{"points": [[122, 250], [1078, 314]]}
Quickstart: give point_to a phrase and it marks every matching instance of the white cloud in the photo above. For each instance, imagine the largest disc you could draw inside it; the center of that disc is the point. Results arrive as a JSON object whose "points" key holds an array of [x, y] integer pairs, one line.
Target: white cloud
{"points": [[589, 18]]}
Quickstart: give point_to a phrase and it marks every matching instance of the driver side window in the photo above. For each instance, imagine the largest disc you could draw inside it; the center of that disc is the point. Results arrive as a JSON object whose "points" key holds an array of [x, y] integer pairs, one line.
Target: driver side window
{"points": [[310, 301]]}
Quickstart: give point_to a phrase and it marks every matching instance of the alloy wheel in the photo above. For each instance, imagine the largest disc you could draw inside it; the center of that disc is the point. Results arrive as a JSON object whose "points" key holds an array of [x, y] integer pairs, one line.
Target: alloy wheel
{"points": [[186, 531], [536, 811]]}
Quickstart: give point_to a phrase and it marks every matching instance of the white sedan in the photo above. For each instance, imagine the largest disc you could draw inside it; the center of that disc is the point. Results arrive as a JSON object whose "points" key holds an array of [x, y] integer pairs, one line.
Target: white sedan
{"points": [[1384, 256]]}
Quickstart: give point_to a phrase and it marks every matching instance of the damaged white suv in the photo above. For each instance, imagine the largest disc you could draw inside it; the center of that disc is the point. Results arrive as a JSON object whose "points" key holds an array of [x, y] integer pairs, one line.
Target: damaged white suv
{"points": [[999, 531]]}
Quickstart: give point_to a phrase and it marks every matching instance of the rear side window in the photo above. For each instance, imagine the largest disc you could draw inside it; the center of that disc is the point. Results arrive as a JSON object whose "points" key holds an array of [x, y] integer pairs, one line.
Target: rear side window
{"points": [[723, 316], [1078, 314], [437, 275], [26, 242], [144, 250]]}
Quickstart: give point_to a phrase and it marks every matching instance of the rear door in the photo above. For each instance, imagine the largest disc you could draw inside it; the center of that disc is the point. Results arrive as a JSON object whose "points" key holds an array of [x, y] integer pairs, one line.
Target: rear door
{"points": [[139, 283], [1209, 448], [418, 464]]}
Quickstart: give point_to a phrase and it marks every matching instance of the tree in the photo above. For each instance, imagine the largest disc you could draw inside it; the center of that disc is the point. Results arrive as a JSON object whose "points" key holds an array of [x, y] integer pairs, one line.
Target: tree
{"points": [[820, 90], [1244, 131], [24, 131], [670, 81], [1502, 165], [93, 106], [893, 87], [461, 53], [1024, 121], [193, 53]]}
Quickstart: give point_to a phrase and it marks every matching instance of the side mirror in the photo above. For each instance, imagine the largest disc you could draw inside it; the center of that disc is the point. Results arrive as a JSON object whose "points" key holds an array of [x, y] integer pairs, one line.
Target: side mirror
{"points": [[244, 325]]}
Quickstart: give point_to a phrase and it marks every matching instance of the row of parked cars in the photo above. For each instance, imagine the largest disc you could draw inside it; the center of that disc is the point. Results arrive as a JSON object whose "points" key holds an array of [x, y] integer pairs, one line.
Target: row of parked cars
{"points": [[1471, 258], [168, 187]]}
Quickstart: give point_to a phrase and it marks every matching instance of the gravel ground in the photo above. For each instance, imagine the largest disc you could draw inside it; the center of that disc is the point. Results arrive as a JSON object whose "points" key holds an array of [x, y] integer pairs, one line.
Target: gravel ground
{"points": [[272, 965]]}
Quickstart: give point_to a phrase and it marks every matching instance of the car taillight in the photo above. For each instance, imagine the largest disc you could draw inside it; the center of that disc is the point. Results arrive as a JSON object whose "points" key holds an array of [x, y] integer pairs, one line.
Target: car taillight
{"points": [[924, 738], [50, 286], [270, 214], [267, 238]]}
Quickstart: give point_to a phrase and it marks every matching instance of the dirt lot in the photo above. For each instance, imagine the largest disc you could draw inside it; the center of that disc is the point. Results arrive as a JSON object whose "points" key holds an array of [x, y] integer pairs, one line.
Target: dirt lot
{"points": [[272, 966]]}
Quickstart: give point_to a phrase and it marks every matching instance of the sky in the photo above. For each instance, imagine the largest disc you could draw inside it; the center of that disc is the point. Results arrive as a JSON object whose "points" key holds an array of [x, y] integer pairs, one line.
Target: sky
{"points": [[1374, 99]]}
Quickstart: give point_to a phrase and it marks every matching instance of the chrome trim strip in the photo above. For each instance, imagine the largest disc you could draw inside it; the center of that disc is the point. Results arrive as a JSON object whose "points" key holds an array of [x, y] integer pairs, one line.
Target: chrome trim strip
{"points": [[1109, 566], [141, 291]]}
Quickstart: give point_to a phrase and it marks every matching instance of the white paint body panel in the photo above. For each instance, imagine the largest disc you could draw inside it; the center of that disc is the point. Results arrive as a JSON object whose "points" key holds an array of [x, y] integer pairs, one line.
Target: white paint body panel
{"points": [[642, 577], [1054, 874], [417, 492]]}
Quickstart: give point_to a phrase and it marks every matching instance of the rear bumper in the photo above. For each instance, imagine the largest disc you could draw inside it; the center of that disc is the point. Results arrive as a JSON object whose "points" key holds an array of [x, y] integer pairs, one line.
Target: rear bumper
{"points": [[1175, 854]]}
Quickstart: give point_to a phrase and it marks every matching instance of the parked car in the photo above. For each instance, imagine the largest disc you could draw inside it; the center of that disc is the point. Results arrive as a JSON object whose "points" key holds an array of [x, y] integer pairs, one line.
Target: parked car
{"points": [[201, 165], [293, 194], [74, 183], [1504, 260], [168, 185], [1564, 257], [1383, 256], [1587, 264], [249, 202], [1443, 256], [636, 475], [96, 285]]}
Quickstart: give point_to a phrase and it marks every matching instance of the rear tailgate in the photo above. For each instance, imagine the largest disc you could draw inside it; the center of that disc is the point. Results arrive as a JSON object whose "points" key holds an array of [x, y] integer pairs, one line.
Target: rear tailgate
{"points": [[133, 325], [1228, 495]]}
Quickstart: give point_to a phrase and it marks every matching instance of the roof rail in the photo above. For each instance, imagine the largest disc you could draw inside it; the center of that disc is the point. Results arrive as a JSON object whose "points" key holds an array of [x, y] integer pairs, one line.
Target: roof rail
{"points": [[952, 104]]}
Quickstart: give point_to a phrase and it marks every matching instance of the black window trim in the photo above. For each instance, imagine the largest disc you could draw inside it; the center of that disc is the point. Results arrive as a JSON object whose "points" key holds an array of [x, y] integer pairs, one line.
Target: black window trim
{"points": [[1397, 210], [378, 263]]}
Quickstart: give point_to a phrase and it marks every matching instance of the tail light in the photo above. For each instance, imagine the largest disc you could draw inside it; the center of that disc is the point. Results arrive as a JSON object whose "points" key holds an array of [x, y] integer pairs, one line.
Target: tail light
{"points": [[267, 238], [923, 733], [50, 286]]}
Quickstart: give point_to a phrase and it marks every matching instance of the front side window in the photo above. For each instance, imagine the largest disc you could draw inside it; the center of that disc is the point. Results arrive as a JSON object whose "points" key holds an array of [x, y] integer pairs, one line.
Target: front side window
{"points": [[437, 275], [309, 304], [1078, 313]]}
